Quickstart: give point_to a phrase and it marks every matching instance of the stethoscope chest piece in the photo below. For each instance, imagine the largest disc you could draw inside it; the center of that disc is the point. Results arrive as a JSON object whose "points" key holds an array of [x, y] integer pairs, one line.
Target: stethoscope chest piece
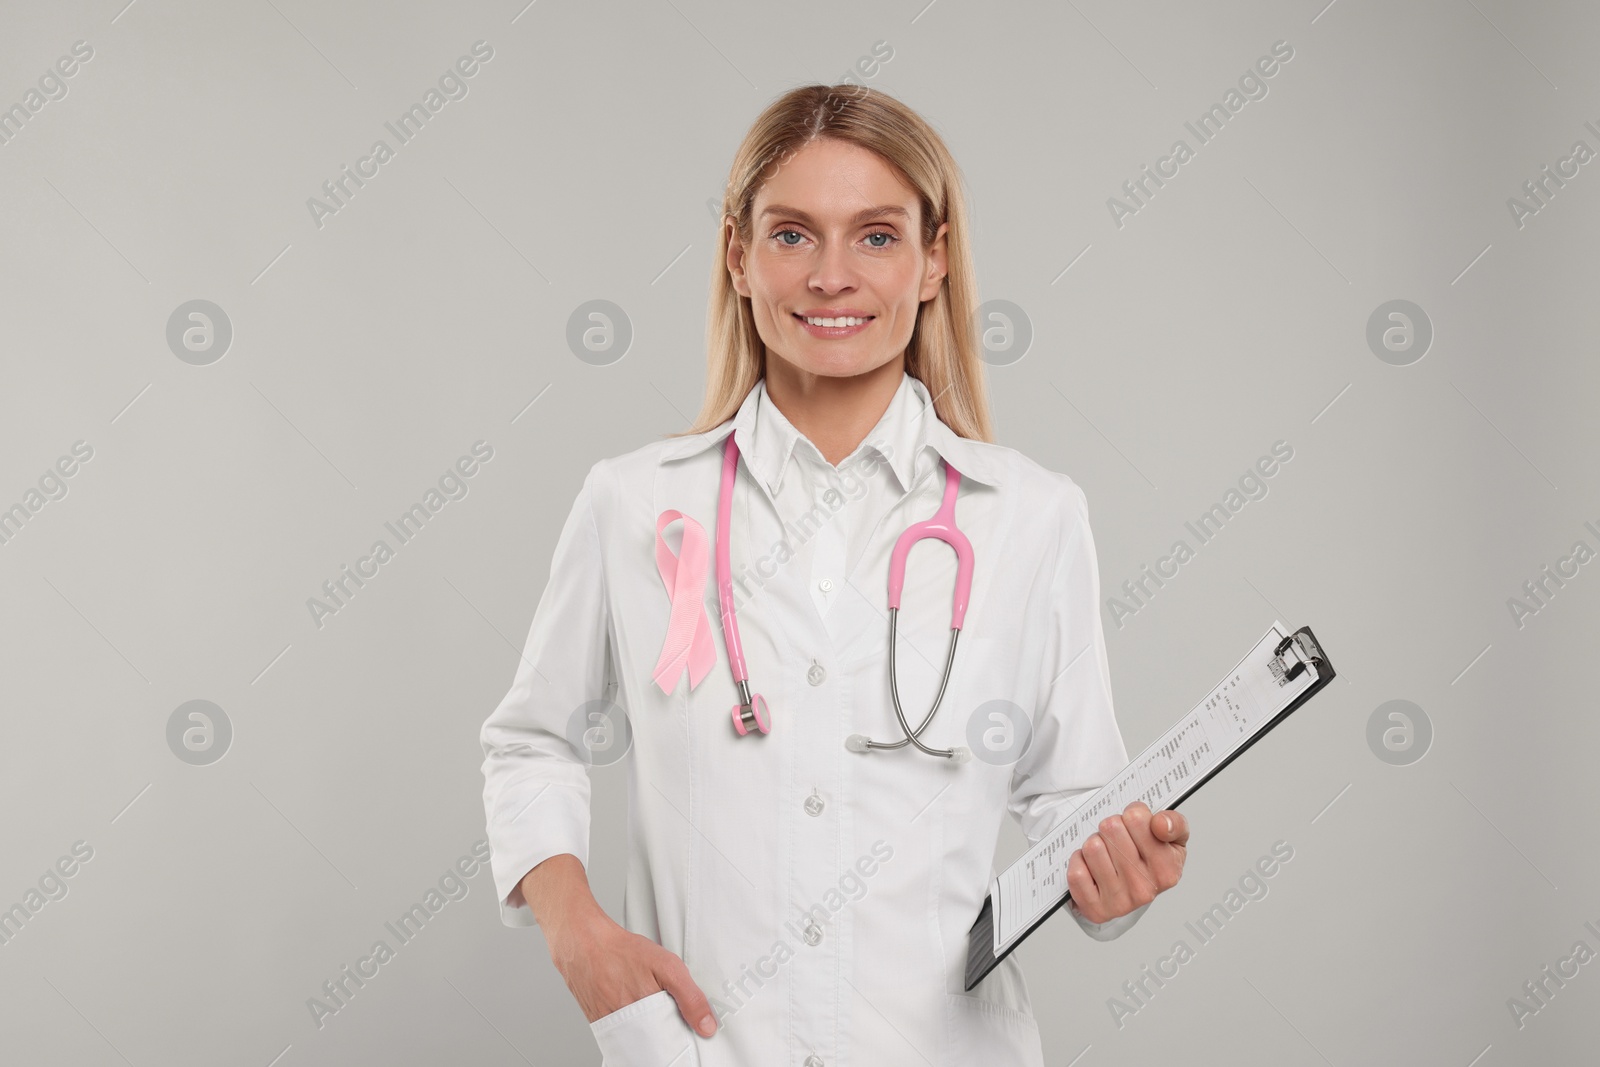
{"points": [[751, 713]]}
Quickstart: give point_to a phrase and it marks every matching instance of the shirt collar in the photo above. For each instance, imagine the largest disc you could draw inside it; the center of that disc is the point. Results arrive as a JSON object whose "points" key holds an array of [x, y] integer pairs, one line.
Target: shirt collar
{"points": [[908, 426]]}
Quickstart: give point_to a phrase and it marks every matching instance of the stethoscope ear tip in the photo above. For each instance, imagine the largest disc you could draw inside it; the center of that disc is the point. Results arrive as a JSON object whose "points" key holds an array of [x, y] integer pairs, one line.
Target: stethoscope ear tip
{"points": [[960, 754], [856, 742]]}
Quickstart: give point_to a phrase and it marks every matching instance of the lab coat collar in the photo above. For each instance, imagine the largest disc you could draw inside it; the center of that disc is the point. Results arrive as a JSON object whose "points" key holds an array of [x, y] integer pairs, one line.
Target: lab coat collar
{"points": [[894, 439], [969, 457]]}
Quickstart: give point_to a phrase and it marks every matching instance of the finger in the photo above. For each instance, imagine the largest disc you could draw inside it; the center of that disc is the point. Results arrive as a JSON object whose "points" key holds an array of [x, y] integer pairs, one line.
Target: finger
{"points": [[1126, 850], [1097, 854], [1140, 825], [1119, 846], [1138, 880], [1143, 828], [692, 1003], [1173, 828], [1162, 859], [1081, 884]]}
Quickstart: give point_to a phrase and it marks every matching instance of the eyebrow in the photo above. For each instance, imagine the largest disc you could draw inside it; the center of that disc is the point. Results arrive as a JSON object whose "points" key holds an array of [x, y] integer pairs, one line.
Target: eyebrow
{"points": [[861, 216]]}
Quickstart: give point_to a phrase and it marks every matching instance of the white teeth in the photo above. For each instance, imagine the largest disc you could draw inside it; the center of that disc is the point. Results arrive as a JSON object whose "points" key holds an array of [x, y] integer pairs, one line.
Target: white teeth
{"points": [[848, 321]]}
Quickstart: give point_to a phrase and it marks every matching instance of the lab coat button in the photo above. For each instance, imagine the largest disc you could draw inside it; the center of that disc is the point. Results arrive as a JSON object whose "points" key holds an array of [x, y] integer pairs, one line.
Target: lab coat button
{"points": [[813, 805], [816, 674], [826, 585], [813, 934]]}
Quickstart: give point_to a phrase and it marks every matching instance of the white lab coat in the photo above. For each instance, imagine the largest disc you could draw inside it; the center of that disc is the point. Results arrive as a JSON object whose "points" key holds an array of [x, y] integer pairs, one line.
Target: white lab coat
{"points": [[820, 897]]}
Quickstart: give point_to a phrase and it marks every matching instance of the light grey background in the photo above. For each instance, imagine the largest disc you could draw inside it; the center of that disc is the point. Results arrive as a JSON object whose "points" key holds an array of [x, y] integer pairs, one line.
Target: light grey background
{"points": [[371, 352]]}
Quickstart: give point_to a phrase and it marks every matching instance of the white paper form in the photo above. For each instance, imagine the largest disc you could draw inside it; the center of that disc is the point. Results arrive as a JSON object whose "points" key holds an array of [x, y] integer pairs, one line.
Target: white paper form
{"points": [[1235, 711]]}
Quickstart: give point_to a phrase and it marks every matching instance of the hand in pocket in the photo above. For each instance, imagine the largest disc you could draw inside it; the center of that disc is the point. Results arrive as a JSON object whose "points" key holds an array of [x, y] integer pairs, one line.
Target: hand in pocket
{"points": [[607, 968]]}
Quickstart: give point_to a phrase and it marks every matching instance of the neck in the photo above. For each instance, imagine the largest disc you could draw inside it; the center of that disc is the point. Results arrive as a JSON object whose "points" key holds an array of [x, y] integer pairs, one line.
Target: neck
{"points": [[834, 413]]}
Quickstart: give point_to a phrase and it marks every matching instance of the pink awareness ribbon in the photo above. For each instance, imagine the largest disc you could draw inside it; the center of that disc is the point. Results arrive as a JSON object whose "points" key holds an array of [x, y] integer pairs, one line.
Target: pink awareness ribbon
{"points": [[688, 641]]}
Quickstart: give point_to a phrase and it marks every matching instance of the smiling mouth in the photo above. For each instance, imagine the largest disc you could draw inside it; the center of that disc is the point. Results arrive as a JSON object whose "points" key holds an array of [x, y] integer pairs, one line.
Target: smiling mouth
{"points": [[835, 323]]}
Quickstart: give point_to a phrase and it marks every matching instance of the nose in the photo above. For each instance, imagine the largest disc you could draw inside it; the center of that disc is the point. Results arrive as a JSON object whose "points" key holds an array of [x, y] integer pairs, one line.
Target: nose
{"points": [[834, 269]]}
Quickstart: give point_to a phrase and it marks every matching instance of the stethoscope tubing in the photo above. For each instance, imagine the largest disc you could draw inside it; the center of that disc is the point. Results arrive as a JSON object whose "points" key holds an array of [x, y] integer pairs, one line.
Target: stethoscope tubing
{"points": [[750, 714], [730, 623], [915, 736]]}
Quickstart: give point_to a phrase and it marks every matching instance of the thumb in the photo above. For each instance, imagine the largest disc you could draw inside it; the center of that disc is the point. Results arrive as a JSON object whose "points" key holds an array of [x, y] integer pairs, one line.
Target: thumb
{"points": [[1172, 828], [692, 1004]]}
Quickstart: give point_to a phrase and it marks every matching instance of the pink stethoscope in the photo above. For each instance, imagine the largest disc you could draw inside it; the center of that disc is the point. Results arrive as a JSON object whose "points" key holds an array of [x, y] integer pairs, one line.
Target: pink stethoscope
{"points": [[751, 714]]}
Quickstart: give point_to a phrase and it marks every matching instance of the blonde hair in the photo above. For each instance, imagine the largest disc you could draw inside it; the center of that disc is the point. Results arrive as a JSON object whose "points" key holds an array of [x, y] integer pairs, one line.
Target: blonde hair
{"points": [[943, 352]]}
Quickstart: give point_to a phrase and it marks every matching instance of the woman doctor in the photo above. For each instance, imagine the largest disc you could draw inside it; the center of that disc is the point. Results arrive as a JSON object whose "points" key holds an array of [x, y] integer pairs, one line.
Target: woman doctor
{"points": [[794, 896]]}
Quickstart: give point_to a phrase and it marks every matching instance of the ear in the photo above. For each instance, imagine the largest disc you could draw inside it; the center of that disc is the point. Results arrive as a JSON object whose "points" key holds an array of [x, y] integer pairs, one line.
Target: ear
{"points": [[735, 259], [936, 264]]}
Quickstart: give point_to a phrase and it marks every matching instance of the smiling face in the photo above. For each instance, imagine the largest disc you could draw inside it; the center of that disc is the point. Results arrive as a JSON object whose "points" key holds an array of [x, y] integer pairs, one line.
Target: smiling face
{"points": [[835, 239]]}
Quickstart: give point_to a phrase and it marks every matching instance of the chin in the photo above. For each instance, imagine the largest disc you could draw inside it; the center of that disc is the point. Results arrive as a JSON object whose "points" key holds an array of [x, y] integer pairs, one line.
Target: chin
{"points": [[841, 365]]}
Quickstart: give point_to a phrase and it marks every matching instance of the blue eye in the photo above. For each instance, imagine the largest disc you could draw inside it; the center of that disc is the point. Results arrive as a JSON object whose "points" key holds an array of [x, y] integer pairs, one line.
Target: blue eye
{"points": [[890, 238]]}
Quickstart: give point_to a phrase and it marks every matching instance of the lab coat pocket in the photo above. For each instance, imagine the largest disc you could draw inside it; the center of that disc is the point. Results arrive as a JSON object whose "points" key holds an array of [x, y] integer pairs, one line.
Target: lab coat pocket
{"points": [[647, 1033], [984, 1031]]}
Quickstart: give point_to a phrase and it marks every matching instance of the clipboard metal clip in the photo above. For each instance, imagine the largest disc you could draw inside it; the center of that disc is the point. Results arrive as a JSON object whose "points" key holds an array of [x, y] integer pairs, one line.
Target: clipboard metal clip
{"points": [[1305, 650]]}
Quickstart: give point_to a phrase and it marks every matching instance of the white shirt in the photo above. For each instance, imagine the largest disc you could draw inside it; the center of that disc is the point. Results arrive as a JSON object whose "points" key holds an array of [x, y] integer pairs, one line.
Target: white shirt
{"points": [[820, 897]]}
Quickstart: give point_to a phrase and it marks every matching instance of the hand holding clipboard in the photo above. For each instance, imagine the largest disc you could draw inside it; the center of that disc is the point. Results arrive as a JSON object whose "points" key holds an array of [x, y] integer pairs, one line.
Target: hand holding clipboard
{"points": [[1280, 673], [1140, 851]]}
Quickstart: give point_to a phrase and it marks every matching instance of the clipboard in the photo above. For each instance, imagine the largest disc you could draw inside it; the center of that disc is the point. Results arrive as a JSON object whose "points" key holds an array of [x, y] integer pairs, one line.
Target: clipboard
{"points": [[1237, 713]]}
